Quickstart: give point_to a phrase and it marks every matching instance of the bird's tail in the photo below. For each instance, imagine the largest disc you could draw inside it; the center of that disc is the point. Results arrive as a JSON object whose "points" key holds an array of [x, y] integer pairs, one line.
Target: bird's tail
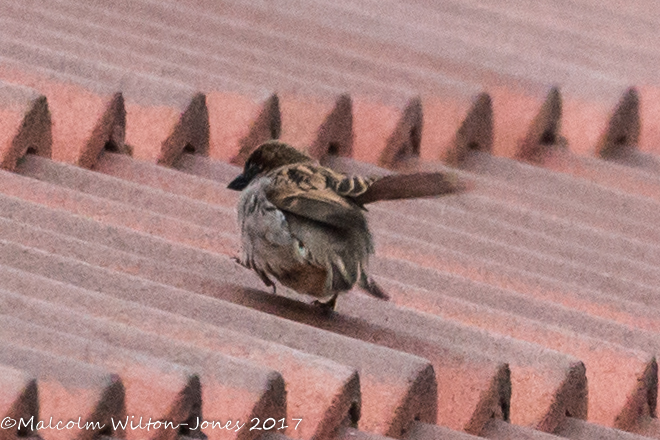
{"points": [[408, 186], [371, 287]]}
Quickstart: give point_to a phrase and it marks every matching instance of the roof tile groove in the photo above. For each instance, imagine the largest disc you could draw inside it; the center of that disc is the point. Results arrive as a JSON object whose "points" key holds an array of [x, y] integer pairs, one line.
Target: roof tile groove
{"points": [[640, 373], [531, 298], [118, 213], [322, 408], [26, 124], [400, 371], [573, 428], [110, 129], [69, 389], [178, 389], [250, 390]]}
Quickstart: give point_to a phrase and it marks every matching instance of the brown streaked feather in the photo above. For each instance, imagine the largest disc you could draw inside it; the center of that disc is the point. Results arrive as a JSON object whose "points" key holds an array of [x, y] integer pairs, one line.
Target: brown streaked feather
{"points": [[309, 191], [351, 186], [406, 186]]}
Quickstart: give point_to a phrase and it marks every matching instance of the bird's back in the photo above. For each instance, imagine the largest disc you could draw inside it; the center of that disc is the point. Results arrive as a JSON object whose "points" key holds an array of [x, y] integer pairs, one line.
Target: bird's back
{"points": [[297, 228]]}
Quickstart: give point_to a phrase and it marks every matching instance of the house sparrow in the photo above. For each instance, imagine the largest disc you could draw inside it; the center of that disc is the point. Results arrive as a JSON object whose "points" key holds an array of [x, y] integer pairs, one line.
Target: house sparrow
{"points": [[304, 224]]}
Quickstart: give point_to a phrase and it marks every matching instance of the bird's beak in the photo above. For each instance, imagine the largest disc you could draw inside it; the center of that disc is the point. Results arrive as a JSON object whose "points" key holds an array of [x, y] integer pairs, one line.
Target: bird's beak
{"points": [[239, 183]]}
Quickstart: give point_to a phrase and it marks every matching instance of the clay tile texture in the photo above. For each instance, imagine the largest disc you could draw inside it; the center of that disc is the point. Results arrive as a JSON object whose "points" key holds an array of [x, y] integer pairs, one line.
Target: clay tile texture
{"points": [[518, 298]]}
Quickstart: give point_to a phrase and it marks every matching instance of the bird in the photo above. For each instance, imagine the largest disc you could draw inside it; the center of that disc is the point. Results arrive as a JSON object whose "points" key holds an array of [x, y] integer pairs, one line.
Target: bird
{"points": [[304, 224]]}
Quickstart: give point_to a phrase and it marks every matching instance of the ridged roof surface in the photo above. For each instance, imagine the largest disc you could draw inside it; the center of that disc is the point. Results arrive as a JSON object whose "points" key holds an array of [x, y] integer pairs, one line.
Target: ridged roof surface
{"points": [[526, 307]]}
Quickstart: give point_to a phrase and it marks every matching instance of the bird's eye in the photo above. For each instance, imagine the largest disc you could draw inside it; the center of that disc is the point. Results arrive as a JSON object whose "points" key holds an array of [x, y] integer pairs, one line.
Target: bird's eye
{"points": [[254, 169]]}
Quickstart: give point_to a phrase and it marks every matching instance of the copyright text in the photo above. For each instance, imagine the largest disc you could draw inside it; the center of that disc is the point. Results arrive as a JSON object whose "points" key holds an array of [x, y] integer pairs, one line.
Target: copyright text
{"points": [[135, 423]]}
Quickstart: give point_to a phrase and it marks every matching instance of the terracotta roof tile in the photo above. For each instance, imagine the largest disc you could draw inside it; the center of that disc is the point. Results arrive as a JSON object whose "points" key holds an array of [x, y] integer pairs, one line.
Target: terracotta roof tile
{"points": [[26, 124], [340, 382], [573, 428], [251, 390], [512, 301], [424, 431], [410, 370], [617, 176], [119, 190], [118, 213], [239, 124], [522, 323], [178, 387], [19, 396], [496, 429], [68, 389]]}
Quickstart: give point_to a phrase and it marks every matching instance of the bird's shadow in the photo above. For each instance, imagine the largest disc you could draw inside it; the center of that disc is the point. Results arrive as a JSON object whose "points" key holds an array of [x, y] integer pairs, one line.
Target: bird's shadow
{"points": [[304, 313]]}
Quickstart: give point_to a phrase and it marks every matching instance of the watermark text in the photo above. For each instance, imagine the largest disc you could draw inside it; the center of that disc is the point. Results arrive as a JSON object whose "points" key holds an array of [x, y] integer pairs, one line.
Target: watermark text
{"points": [[141, 423]]}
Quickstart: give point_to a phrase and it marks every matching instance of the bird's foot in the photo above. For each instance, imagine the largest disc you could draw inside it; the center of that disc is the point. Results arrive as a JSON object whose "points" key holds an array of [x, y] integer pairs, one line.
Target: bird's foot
{"points": [[239, 262], [327, 306], [267, 281]]}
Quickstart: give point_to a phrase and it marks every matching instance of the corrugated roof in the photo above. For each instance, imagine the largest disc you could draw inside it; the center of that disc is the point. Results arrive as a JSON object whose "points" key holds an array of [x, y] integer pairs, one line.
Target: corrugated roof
{"points": [[525, 307]]}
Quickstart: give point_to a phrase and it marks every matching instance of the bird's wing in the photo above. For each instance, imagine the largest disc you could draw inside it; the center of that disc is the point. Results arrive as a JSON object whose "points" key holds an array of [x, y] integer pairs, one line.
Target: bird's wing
{"points": [[318, 193]]}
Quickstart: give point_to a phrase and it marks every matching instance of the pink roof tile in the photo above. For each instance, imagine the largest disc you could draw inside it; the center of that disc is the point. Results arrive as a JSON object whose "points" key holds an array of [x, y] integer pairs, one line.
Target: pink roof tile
{"points": [[178, 389], [573, 428], [68, 389], [26, 124], [302, 117], [120, 214], [618, 176], [649, 112], [322, 408], [496, 429], [452, 129], [74, 111], [511, 301], [381, 414], [251, 390], [19, 396], [373, 124], [239, 124]]}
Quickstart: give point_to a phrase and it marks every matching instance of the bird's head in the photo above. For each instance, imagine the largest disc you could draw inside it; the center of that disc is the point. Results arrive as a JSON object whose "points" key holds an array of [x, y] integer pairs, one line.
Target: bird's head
{"points": [[267, 157]]}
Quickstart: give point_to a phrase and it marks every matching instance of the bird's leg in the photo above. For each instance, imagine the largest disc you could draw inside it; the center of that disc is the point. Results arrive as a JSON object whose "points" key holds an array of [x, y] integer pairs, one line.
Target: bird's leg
{"points": [[267, 281], [329, 305]]}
